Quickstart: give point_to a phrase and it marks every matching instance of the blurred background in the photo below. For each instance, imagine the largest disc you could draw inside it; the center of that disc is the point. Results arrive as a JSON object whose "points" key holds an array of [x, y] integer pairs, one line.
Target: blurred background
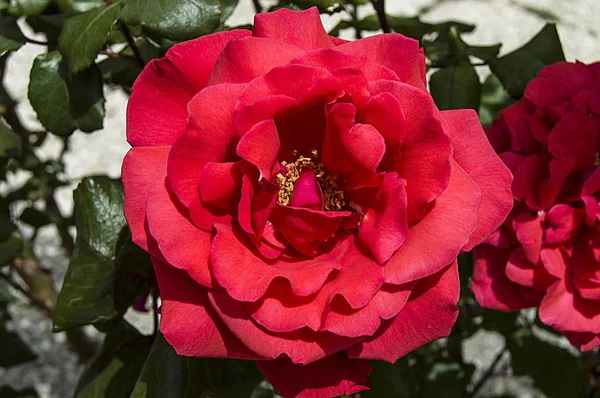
{"points": [[56, 370]]}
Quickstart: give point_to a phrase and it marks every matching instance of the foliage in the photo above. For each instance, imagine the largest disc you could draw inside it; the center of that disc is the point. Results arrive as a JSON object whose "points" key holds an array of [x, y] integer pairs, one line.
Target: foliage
{"points": [[93, 44]]}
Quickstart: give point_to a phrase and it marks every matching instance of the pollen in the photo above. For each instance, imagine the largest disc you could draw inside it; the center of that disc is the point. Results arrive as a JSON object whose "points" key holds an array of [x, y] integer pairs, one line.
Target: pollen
{"points": [[333, 196]]}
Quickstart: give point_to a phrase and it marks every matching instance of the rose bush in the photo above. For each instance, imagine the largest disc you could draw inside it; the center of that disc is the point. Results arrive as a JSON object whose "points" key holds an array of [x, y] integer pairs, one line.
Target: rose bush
{"points": [[547, 253], [303, 199]]}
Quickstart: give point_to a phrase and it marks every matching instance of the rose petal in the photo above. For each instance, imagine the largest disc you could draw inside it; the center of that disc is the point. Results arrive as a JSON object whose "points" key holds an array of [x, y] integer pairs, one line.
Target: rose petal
{"points": [[260, 146], [475, 155], [284, 25], [329, 377], [438, 238], [429, 315], [189, 322], [141, 168]]}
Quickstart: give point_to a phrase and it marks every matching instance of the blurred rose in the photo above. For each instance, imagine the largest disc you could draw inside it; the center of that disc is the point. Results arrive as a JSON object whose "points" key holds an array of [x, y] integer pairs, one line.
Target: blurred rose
{"points": [[547, 253]]}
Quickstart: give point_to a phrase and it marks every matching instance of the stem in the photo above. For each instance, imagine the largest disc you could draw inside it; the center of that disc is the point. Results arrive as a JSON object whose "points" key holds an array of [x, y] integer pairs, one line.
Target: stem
{"points": [[257, 6], [27, 294], [379, 6], [155, 312], [131, 41], [488, 373], [65, 237]]}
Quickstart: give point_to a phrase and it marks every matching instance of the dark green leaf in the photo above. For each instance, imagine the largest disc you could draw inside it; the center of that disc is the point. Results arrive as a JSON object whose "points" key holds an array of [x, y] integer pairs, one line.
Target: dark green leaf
{"points": [[484, 52], [83, 35], [87, 99], [10, 142], [456, 87], [516, 69], [79, 5], [87, 295], [49, 94], [115, 369], [14, 350], [11, 38], [444, 379], [119, 71], [11, 244], [174, 19], [555, 371], [494, 98], [28, 7], [387, 380], [34, 217], [9, 392], [167, 374]]}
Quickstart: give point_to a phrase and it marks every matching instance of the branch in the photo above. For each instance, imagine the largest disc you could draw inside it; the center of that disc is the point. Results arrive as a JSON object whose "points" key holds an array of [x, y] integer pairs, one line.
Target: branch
{"points": [[131, 41], [488, 373], [42, 306], [379, 6], [257, 6]]}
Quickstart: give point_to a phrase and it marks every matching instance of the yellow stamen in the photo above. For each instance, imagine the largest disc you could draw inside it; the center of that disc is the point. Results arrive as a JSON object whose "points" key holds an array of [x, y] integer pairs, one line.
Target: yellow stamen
{"points": [[333, 197]]}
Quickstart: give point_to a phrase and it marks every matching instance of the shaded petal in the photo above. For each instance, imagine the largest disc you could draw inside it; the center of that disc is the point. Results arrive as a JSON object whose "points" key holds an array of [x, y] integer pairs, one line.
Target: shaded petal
{"points": [[188, 321], [583, 341], [524, 273], [329, 377], [383, 226], [475, 155], [438, 238], [246, 276], [528, 228], [141, 168], [157, 107], [300, 28], [260, 146], [220, 183], [491, 286], [429, 315]]}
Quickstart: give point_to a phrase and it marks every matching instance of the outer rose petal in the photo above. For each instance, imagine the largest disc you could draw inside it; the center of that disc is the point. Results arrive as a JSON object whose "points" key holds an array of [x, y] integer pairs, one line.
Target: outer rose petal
{"points": [[157, 108], [203, 141], [329, 377], [437, 239], [429, 315], [491, 286], [181, 243], [189, 322], [243, 60], [474, 154], [583, 341], [141, 167], [246, 276], [302, 346], [303, 29], [399, 53]]}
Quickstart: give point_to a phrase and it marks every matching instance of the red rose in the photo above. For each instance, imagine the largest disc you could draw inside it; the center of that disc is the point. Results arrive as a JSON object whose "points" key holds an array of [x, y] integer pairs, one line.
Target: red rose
{"points": [[547, 253], [304, 200]]}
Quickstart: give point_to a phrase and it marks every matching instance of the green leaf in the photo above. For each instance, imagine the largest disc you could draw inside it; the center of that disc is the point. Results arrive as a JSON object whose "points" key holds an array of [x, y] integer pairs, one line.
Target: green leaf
{"points": [[444, 379], [83, 35], [516, 69], [49, 94], [10, 142], [556, 372], [14, 350], [115, 369], [87, 295], [9, 392], [167, 374], [456, 87], [494, 98], [28, 7], [79, 5], [11, 38], [11, 243], [174, 19], [87, 99], [392, 380]]}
